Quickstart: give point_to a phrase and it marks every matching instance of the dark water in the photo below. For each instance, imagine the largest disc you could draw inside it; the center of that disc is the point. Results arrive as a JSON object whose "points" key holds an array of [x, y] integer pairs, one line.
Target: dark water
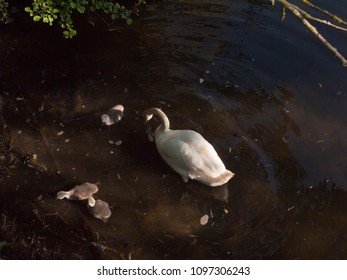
{"points": [[267, 94]]}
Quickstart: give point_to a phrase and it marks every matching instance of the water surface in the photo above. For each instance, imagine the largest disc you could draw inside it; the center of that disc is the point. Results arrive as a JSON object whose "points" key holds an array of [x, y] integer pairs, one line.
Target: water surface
{"points": [[267, 94]]}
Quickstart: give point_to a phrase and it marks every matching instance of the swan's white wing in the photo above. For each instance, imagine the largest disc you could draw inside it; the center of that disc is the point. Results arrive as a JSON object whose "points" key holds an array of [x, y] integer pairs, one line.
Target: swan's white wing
{"points": [[189, 154], [204, 158], [173, 152]]}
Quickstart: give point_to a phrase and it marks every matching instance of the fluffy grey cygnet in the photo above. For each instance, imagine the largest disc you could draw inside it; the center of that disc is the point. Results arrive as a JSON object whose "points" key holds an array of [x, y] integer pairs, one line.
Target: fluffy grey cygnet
{"points": [[113, 115], [80, 192], [100, 210]]}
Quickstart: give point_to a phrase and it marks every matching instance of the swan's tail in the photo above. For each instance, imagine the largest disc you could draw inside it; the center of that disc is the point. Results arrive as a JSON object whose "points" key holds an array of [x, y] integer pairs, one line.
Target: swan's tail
{"points": [[222, 178], [216, 181]]}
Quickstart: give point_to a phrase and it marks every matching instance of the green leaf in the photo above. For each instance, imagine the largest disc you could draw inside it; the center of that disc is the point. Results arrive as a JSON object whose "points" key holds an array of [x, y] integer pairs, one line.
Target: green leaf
{"points": [[27, 9], [108, 6], [129, 21], [73, 32], [36, 18], [81, 9], [116, 7]]}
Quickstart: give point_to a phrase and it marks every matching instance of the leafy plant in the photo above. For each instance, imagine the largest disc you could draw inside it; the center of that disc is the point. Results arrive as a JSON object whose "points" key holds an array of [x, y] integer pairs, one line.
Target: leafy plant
{"points": [[50, 11], [4, 12]]}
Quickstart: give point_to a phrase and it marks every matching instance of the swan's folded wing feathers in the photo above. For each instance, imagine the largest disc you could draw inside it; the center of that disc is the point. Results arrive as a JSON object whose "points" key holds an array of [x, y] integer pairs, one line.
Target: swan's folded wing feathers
{"points": [[190, 155], [206, 157], [175, 153]]}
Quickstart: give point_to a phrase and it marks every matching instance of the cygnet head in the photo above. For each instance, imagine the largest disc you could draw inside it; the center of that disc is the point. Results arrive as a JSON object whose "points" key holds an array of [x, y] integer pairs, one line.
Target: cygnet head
{"points": [[63, 194], [106, 119], [91, 201]]}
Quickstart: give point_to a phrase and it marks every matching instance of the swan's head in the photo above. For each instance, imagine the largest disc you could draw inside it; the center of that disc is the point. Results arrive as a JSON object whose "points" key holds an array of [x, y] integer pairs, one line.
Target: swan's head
{"points": [[164, 126], [146, 116]]}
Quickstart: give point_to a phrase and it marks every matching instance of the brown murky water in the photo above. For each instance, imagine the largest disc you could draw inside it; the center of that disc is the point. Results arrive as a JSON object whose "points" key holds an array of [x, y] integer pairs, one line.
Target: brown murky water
{"points": [[266, 94]]}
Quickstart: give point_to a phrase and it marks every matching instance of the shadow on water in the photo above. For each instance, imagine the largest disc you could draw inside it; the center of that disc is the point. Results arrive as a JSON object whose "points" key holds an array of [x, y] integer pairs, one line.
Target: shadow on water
{"points": [[228, 71]]}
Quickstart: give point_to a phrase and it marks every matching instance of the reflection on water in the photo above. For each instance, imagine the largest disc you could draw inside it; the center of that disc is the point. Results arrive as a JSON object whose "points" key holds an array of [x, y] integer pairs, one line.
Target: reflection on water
{"points": [[272, 106]]}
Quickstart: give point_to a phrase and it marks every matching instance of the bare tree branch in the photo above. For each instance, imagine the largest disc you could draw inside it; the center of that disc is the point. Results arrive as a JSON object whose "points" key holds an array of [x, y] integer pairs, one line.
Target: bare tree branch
{"points": [[303, 15], [334, 17]]}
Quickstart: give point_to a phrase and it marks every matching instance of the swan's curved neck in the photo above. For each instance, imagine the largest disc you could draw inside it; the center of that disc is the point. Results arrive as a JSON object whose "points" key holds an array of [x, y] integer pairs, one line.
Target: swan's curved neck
{"points": [[165, 121], [165, 125]]}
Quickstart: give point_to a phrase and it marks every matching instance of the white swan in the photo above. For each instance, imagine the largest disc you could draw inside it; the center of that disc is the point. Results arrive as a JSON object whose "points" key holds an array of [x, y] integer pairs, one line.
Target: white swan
{"points": [[188, 153], [80, 192], [100, 210]]}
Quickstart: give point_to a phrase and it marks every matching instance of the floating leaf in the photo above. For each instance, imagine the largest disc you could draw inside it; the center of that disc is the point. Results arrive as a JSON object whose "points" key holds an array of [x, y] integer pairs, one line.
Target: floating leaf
{"points": [[204, 220]]}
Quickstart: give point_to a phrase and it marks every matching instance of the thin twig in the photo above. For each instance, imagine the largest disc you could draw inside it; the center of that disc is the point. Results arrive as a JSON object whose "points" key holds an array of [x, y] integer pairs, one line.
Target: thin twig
{"points": [[323, 21], [296, 11], [339, 20]]}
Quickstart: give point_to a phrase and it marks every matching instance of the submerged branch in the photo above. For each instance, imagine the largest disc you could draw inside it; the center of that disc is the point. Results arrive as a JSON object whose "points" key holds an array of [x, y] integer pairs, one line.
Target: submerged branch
{"points": [[302, 15]]}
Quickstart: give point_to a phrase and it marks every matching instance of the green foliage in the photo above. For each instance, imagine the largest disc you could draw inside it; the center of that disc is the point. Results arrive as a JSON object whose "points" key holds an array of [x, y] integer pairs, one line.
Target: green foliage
{"points": [[51, 11], [4, 12]]}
